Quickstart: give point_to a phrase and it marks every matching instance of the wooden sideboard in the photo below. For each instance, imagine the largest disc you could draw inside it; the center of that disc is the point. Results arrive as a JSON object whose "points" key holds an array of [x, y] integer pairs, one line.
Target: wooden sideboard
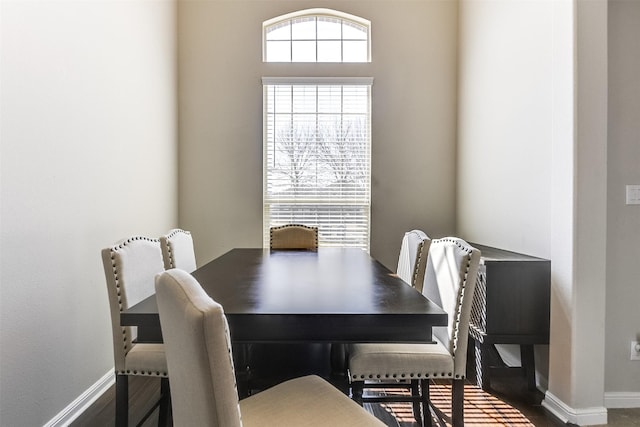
{"points": [[510, 306]]}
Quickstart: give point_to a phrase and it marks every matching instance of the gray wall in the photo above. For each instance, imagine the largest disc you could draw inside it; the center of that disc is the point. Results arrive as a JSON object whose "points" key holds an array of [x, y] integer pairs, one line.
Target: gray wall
{"points": [[623, 221], [220, 105], [88, 133]]}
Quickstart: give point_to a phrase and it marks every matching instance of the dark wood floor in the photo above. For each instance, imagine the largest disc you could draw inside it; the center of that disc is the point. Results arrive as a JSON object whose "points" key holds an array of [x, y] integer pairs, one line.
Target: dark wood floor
{"points": [[509, 403]]}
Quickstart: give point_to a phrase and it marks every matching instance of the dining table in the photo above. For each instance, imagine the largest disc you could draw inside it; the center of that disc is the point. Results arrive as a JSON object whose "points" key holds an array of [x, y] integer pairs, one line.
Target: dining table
{"points": [[328, 295]]}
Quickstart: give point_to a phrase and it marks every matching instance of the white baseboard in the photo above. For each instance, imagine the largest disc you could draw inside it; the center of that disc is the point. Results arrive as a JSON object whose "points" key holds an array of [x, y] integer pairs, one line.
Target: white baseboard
{"points": [[624, 399], [86, 399], [582, 417]]}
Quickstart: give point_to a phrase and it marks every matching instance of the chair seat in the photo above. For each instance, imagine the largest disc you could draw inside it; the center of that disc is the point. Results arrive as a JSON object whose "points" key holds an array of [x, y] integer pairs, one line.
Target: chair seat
{"points": [[450, 277], [146, 359], [130, 267], [399, 361], [304, 401]]}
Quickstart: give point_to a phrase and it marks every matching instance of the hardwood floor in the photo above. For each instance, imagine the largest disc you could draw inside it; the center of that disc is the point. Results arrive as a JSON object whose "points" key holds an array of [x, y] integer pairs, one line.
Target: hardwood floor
{"points": [[144, 392], [509, 403]]}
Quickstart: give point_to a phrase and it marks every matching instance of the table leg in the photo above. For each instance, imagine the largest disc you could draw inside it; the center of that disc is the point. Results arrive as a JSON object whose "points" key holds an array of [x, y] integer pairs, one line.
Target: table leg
{"points": [[338, 360], [528, 364], [243, 369]]}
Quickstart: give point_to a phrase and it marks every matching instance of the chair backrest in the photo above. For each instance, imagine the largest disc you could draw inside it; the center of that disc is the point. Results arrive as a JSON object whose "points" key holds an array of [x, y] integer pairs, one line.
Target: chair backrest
{"points": [[177, 250], [412, 261], [198, 351], [130, 267], [293, 236], [450, 281]]}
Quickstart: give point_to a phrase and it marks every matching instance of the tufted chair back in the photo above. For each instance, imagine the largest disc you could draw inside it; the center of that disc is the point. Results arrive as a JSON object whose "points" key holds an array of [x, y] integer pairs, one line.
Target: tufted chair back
{"points": [[130, 267], [294, 236], [177, 250], [413, 258], [450, 280], [198, 349]]}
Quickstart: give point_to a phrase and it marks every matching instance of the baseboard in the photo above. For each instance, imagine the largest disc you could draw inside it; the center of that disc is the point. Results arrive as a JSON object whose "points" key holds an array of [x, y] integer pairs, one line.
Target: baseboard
{"points": [[623, 399], [567, 414], [86, 399]]}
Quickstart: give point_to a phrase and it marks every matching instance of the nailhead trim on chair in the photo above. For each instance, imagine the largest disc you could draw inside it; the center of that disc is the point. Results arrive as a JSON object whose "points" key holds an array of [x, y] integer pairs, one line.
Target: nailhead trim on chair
{"points": [[175, 231], [147, 373], [457, 407], [117, 297], [418, 262], [412, 375], [126, 338], [455, 326], [279, 227], [462, 292]]}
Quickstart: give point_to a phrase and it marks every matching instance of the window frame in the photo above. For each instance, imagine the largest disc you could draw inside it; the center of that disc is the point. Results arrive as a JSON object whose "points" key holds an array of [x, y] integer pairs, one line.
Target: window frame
{"points": [[317, 81], [316, 13]]}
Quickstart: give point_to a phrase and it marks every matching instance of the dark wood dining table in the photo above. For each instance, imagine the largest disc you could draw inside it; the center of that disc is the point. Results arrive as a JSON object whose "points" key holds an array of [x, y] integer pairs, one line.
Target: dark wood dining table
{"points": [[336, 295]]}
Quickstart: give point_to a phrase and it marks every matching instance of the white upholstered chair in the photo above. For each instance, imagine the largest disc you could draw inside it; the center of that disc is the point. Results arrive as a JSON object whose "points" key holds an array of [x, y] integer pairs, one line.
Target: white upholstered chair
{"points": [[203, 384], [130, 267], [450, 280], [177, 250], [293, 236], [412, 261]]}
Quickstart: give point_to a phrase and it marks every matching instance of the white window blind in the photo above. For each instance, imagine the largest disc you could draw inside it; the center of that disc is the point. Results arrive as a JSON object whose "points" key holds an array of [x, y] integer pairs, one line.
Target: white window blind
{"points": [[317, 157]]}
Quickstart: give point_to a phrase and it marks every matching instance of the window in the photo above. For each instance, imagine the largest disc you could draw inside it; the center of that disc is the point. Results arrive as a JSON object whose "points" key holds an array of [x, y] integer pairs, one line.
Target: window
{"points": [[316, 35], [317, 157], [317, 131]]}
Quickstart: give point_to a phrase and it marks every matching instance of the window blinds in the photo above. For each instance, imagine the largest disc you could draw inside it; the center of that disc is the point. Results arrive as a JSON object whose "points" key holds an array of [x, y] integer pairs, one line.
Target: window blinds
{"points": [[317, 157]]}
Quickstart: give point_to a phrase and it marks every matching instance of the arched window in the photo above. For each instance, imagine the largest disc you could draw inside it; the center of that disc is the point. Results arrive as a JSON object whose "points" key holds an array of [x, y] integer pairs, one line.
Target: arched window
{"points": [[316, 35], [317, 130]]}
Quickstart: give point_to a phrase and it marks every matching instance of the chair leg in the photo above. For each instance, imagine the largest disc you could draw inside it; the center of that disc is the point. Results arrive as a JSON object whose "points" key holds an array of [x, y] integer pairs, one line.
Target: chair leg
{"points": [[425, 401], [357, 388], [483, 364], [165, 403], [122, 400], [415, 394], [457, 403], [241, 361]]}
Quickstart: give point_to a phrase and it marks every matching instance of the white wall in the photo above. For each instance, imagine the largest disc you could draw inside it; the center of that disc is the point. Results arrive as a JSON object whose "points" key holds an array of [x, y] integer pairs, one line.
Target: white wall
{"points": [[220, 119], [505, 130], [622, 376], [533, 164], [504, 124], [88, 134]]}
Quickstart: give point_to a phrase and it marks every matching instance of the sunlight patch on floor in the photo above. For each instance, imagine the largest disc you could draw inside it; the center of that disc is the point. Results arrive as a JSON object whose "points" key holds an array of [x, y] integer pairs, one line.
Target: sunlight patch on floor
{"points": [[480, 407]]}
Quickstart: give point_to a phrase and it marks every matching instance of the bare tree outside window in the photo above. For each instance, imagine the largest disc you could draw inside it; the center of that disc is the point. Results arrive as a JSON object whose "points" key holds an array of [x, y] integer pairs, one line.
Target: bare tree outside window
{"points": [[295, 148], [341, 144], [317, 160]]}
